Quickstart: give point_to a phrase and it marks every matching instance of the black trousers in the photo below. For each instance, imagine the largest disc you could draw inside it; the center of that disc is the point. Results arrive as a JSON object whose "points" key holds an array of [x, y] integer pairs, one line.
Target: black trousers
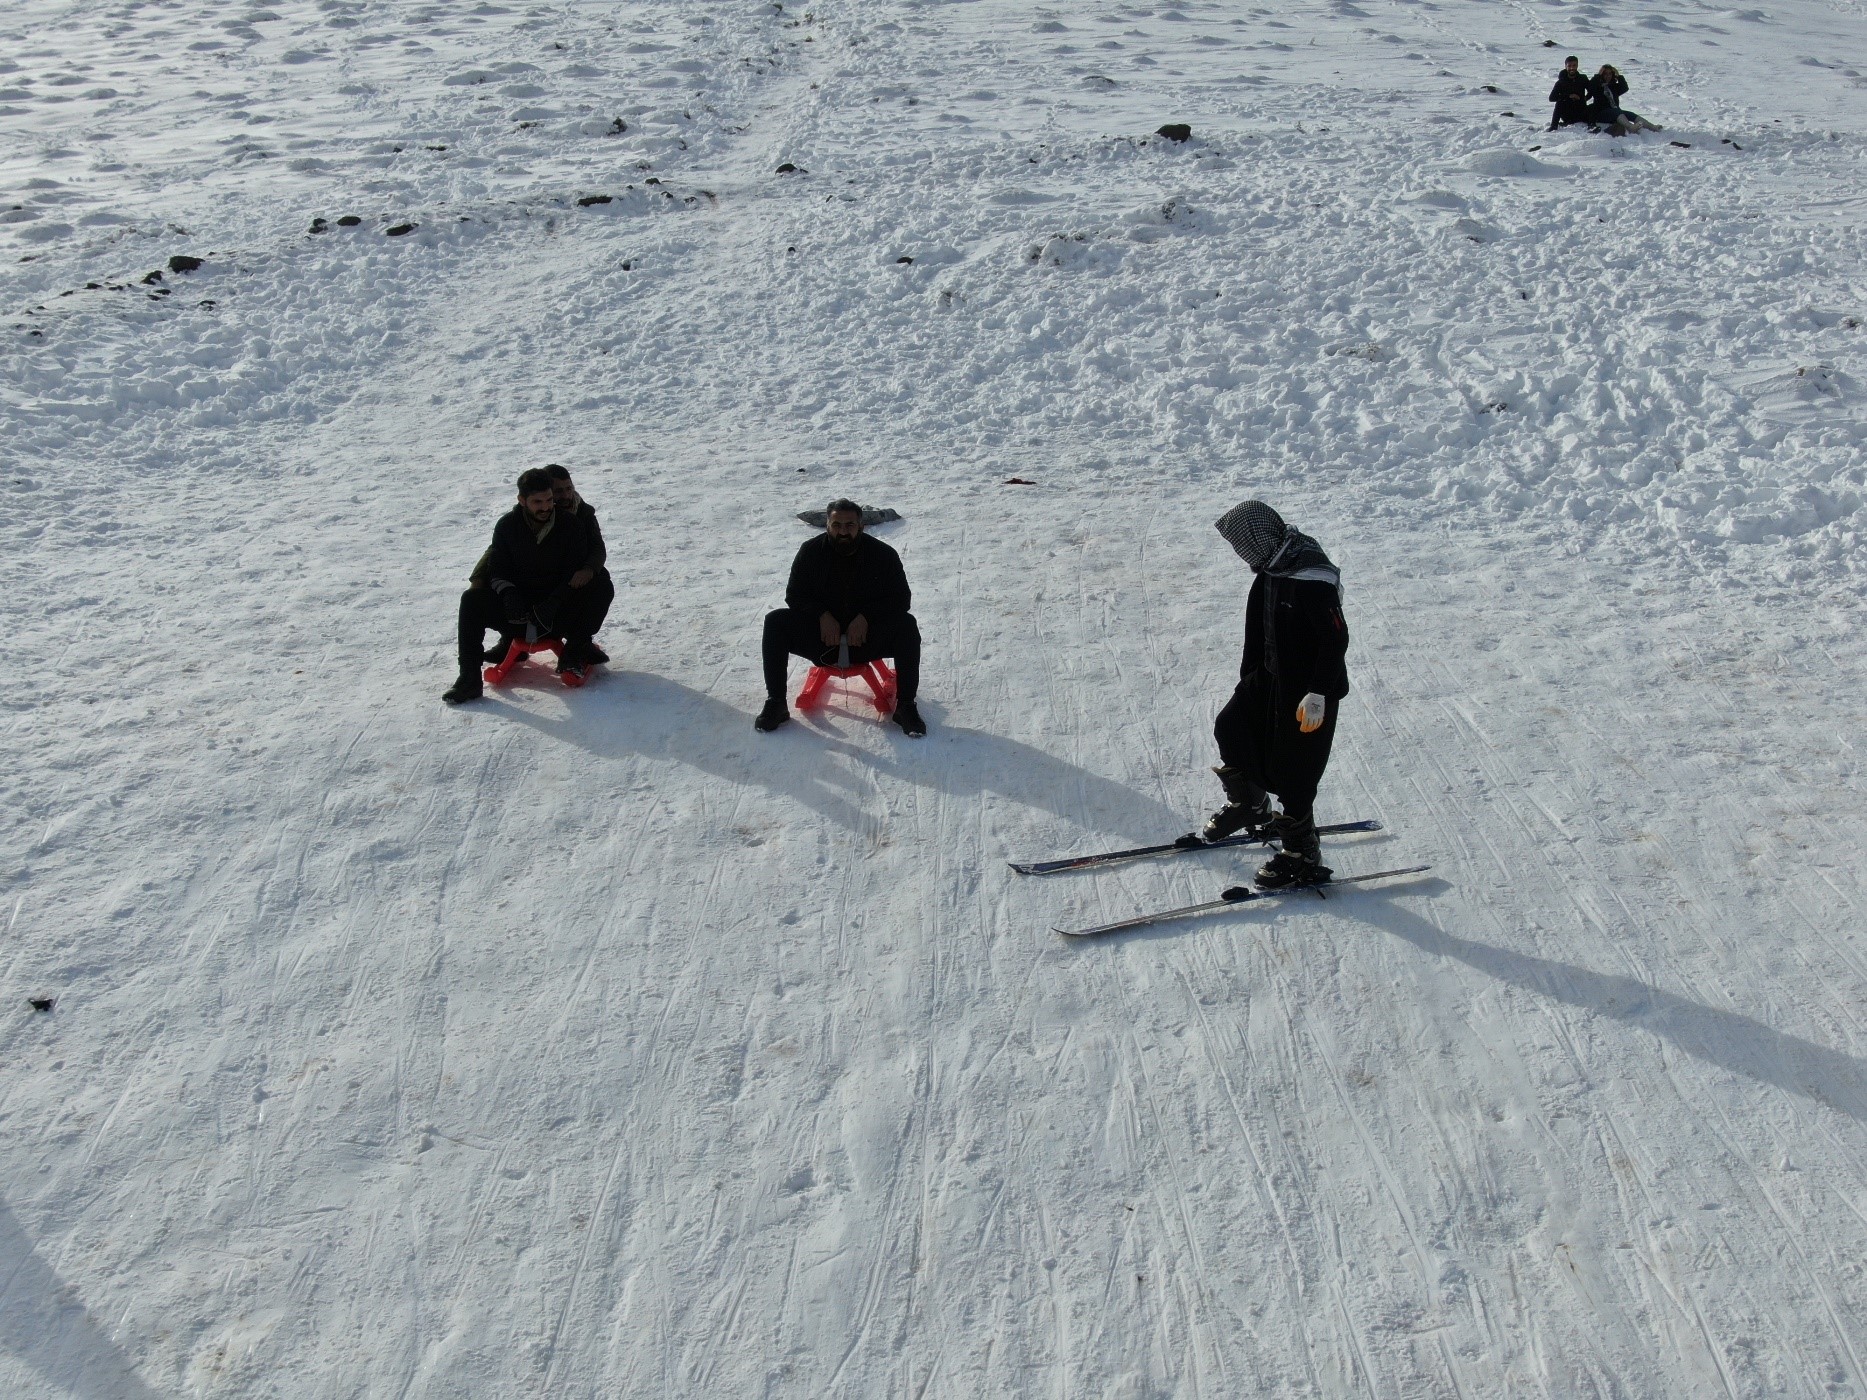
{"points": [[790, 633], [1258, 735], [481, 609]]}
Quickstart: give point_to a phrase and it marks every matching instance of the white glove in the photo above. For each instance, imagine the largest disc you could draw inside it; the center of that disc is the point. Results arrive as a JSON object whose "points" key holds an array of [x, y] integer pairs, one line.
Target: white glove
{"points": [[1312, 712]]}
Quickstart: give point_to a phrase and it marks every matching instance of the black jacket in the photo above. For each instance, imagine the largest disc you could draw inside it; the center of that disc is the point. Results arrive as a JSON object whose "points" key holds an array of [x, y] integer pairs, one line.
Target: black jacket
{"points": [[1295, 631], [593, 561], [537, 568], [870, 583], [1571, 87], [1607, 93]]}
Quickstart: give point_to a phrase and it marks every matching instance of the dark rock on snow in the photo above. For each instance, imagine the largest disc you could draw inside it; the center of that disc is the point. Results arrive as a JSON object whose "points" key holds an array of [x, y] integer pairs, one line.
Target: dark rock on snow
{"points": [[1176, 131]]}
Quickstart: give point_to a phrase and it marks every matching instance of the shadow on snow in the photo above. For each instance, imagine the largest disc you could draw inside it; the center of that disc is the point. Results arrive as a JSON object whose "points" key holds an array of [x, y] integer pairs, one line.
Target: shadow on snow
{"points": [[44, 1324], [653, 717]]}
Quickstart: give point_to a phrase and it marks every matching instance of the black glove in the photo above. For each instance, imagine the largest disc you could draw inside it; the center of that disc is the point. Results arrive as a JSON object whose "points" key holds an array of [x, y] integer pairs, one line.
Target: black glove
{"points": [[513, 602]]}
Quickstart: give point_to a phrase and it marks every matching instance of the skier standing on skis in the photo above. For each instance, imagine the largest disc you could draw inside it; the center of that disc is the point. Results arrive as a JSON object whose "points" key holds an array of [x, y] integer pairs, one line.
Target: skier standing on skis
{"points": [[1275, 733]]}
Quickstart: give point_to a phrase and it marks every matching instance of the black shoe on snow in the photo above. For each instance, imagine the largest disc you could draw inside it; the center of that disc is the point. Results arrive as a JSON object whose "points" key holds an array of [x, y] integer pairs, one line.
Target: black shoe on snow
{"points": [[465, 689], [595, 655], [909, 719], [1284, 870], [1232, 818], [775, 713]]}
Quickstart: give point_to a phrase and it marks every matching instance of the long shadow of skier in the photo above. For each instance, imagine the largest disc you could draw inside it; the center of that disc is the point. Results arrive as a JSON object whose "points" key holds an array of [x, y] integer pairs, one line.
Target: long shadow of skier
{"points": [[632, 713], [1722, 1038], [44, 1324]]}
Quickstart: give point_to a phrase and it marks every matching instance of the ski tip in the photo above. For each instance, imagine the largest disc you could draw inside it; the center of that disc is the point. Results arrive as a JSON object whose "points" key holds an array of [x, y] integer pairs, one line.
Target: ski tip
{"points": [[1021, 869]]}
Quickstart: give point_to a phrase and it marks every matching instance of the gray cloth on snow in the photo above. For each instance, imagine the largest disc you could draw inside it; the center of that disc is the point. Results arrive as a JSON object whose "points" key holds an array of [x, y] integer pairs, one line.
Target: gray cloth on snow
{"points": [[871, 516]]}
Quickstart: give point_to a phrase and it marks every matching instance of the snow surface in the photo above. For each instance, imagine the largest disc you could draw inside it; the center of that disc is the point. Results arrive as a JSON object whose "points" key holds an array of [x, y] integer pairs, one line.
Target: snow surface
{"points": [[591, 1045]]}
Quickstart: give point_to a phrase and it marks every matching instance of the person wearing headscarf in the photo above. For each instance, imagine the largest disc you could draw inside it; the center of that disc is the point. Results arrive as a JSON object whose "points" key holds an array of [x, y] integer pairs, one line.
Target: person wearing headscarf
{"points": [[1275, 733]]}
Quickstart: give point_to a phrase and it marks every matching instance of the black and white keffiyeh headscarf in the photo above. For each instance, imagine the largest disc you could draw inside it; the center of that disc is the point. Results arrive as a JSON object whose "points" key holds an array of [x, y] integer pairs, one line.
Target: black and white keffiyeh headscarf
{"points": [[1269, 546]]}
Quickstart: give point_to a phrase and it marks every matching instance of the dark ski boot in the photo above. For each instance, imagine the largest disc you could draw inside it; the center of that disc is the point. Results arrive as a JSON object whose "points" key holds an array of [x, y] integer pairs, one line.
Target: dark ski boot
{"points": [[1300, 860], [1247, 806], [464, 689], [1286, 870], [775, 713]]}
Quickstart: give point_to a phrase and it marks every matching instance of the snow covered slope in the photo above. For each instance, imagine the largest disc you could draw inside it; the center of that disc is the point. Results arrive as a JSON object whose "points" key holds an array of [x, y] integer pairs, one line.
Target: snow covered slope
{"points": [[590, 1044]]}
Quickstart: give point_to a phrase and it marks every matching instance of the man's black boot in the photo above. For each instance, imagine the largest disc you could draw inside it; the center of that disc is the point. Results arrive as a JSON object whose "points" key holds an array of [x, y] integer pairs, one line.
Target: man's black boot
{"points": [[775, 713], [909, 718], [464, 688]]}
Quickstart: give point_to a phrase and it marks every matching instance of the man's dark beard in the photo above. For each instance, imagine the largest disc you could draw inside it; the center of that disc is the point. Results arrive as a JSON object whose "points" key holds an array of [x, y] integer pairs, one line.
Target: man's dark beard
{"points": [[843, 546]]}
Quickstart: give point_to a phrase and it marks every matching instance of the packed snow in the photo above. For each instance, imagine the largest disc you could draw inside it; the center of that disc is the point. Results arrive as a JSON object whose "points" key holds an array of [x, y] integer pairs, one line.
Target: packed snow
{"points": [[590, 1044]]}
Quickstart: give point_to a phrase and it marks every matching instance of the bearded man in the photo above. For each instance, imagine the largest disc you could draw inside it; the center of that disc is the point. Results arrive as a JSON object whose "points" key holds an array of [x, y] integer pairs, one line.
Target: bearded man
{"points": [[846, 587]]}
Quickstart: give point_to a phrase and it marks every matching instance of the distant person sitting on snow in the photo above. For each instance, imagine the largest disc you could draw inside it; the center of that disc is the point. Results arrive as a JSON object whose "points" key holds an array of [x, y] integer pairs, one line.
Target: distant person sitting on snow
{"points": [[849, 587], [1606, 89], [1571, 94], [1275, 734], [533, 568]]}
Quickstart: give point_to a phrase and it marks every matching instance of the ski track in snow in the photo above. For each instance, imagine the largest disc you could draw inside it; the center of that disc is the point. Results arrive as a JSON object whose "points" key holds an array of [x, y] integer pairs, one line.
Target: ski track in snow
{"points": [[591, 1044]]}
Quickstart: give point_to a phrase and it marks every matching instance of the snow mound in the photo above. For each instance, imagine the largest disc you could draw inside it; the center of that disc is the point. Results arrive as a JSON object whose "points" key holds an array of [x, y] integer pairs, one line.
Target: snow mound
{"points": [[1505, 162]]}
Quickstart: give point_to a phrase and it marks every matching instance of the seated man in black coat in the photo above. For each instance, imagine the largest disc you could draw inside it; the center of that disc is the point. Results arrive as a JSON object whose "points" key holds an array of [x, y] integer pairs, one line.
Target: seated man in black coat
{"points": [[1571, 94], [845, 587], [532, 570], [593, 574]]}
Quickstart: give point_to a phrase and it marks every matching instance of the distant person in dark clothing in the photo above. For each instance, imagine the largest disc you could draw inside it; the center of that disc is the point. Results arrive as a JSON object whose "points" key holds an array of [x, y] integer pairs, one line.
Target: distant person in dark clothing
{"points": [[565, 496], [1275, 733], [845, 587], [1572, 94], [1606, 89], [530, 587], [1604, 97]]}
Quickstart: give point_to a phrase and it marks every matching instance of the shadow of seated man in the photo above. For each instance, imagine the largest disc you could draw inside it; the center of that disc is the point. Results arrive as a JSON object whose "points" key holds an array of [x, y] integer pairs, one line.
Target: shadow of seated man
{"points": [[538, 583], [847, 589]]}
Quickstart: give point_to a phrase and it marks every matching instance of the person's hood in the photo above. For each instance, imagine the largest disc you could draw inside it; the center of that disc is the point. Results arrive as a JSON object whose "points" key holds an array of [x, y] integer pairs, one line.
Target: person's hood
{"points": [[1264, 541]]}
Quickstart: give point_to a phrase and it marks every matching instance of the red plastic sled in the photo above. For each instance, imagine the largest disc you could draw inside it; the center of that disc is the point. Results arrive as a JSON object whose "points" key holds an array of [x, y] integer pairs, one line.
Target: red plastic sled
{"points": [[878, 674], [517, 650]]}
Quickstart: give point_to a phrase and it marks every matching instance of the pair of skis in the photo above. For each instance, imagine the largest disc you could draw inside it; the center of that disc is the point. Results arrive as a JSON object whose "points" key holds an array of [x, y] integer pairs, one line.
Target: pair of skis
{"points": [[1228, 899]]}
